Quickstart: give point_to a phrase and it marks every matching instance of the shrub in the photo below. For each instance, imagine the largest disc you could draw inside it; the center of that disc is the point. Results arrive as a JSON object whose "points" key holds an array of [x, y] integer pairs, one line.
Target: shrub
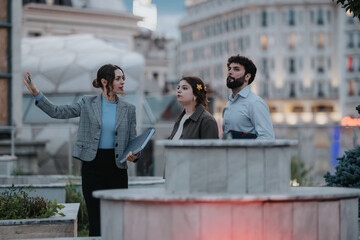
{"points": [[347, 171], [16, 203]]}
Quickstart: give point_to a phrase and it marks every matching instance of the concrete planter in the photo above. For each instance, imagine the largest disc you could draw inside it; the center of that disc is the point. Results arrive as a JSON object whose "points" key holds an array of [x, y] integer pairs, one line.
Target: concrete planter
{"points": [[53, 227], [50, 187]]}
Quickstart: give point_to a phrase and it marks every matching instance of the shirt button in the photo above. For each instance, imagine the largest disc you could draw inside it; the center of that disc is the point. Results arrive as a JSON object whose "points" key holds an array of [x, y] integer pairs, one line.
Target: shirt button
{"points": [[117, 155], [116, 144], [115, 133]]}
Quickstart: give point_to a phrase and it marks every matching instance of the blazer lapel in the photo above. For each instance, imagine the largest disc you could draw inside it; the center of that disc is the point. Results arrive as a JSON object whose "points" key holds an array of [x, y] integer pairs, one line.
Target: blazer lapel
{"points": [[120, 112], [97, 108]]}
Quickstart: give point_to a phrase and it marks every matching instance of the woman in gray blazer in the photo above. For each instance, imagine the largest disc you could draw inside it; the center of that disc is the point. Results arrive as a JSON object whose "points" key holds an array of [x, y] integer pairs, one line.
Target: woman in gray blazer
{"points": [[195, 122], [106, 126]]}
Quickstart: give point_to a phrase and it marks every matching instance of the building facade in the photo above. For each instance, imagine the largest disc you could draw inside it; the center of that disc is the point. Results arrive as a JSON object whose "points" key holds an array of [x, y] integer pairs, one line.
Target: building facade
{"points": [[307, 53], [10, 72], [117, 26]]}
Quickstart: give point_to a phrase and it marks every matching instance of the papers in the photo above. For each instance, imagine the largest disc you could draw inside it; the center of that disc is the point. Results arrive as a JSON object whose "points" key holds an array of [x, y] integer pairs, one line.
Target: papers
{"points": [[137, 144]]}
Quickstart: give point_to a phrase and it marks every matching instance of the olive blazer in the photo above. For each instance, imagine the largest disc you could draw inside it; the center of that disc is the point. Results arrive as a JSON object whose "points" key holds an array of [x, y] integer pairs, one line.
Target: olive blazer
{"points": [[200, 125], [89, 111]]}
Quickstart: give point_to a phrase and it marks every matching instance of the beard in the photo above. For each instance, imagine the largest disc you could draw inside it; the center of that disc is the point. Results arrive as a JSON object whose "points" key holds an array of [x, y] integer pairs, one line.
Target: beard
{"points": [[237, 82]]}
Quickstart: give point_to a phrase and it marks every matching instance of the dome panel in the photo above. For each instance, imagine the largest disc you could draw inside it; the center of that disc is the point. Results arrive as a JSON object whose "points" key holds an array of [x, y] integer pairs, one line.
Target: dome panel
{"points": [[70, 63], [80, 83]]}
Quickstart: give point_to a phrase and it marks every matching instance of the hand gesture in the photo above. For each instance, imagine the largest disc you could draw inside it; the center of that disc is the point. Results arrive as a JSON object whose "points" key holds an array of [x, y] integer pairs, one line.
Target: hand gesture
{"points": [[30, 85]]}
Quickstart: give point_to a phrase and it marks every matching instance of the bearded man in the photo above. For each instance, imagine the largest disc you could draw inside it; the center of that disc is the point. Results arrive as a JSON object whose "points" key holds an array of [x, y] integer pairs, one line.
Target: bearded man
{"points": [[246, 115]]}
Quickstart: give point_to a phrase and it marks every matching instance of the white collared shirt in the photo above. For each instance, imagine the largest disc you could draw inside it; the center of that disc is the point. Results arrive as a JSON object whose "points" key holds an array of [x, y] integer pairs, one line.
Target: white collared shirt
{"points": [[247, 112]]}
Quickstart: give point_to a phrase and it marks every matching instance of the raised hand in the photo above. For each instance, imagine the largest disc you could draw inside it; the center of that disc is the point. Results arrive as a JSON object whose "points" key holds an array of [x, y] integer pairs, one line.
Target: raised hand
{"points": [[30, 84]]}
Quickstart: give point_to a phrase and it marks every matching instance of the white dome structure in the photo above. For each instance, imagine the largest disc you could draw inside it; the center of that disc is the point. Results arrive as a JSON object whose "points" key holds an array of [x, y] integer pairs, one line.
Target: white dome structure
{"points": [[68, 64]]}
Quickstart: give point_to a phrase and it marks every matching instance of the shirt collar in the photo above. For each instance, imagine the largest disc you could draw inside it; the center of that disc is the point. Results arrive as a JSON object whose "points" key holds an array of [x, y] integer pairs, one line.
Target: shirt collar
{"points": [[198, 111], [243, 93], [195, 115]]}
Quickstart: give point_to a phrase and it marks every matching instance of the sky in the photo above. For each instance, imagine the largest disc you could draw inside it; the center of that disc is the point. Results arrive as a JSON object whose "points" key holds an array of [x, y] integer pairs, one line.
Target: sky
{"points": [[169, 13]]}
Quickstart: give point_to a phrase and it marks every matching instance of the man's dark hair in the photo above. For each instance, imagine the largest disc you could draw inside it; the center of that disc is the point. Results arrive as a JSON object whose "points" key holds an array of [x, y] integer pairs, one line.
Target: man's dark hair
{"points": [[247, 63]]}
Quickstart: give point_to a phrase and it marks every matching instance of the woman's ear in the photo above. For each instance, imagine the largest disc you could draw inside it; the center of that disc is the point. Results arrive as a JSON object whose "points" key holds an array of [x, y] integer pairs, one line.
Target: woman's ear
{"points": [[104, 82]]}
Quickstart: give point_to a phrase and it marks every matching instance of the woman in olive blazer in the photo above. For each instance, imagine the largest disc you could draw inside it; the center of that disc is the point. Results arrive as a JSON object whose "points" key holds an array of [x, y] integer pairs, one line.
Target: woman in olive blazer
{"points": [[195, 122], [106, 126]]}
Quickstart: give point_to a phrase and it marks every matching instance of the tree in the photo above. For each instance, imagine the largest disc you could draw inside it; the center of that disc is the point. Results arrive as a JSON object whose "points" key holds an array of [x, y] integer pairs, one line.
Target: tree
{"points": [[351, 5]]}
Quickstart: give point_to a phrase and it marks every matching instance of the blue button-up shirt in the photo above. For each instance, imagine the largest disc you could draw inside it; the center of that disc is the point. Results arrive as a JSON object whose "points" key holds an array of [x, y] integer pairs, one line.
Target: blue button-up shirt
{"points": [[247, 112]]}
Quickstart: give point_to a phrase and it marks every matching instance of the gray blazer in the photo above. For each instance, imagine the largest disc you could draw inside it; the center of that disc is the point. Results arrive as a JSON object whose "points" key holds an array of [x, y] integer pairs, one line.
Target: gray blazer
{"points": [[89, 111]]}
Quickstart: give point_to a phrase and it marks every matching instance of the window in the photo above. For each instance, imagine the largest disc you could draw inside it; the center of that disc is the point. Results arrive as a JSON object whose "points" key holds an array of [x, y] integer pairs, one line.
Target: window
{"points": [[320, 90], [265, 65], [263, 18], [350, 64], [322, 108], [291, 17], [227, 26], [264, 42], [320, 17], [320, 65], [207, 31], [298, 109], [329, 16], [233, 24], [351, 88], [350, 37], [292, 65], [240, 22], [320, 42], [292, 40], [292, 90], [272, 109], [311, 16]]}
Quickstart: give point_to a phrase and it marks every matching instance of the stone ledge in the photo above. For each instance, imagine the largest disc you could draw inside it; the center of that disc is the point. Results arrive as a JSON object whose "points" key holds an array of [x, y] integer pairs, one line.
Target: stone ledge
{"points": [[227, 143], [295, 193]]}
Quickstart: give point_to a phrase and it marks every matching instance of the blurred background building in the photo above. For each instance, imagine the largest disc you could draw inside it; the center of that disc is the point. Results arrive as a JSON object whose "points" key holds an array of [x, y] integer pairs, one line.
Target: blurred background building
{"points": [[304, 52], [307, 54], [308, 59]]}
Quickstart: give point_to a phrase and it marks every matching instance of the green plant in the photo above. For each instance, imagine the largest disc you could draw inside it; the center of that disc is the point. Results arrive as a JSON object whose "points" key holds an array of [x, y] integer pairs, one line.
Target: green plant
{"points": [[75, 196], [16, 203], [347, 172], [299, 173]]}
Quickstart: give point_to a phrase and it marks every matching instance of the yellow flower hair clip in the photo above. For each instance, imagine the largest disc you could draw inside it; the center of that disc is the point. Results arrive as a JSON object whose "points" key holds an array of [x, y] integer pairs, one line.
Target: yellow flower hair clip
{"points": [[199, 87]]}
